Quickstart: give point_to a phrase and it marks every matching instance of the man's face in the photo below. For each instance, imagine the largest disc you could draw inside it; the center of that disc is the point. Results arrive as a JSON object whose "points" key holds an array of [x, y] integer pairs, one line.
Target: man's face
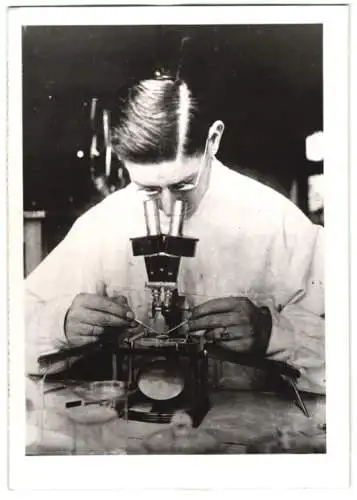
{"points": [[185, 179]]}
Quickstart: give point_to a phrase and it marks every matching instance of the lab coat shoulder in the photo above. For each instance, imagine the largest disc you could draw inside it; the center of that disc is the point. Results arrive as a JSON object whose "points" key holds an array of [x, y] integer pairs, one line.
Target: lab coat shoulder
{"points": [[256, 198], [282, 217], [270, 222], [75, 264], [247, 199], [113, 211]]}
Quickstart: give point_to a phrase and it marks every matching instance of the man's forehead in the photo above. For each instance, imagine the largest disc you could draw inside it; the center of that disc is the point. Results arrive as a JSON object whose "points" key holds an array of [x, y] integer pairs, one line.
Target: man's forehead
{"points": [[162, 174]]}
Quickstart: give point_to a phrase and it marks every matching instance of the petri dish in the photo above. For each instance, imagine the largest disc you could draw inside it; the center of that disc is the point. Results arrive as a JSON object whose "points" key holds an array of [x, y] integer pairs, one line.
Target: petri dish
{"points": [[97, 401], [100, 390]]}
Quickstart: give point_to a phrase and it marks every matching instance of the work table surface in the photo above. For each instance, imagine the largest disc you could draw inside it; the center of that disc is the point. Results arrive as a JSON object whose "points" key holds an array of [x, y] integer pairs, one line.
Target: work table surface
{"points": [[236, 418]]}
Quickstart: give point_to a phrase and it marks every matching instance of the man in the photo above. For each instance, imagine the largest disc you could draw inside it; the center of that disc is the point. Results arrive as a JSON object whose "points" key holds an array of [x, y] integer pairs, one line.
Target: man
{"points": [[257, 252]]}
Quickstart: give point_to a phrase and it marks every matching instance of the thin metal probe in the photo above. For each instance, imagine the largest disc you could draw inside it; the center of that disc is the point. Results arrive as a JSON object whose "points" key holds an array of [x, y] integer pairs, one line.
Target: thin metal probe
{"points": [[178, 326], [146, 326], [298, 396]]}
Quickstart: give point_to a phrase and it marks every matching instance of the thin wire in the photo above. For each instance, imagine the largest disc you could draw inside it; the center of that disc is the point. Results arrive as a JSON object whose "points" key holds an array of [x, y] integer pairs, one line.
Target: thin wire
{"points": [[146, 326], [158, 333], [178, 326], [299, 400]]}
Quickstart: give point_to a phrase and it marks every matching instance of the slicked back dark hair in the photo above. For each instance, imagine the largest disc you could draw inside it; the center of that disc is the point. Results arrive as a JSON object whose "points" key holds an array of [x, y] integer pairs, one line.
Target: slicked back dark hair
{"points": [[157, 120]]}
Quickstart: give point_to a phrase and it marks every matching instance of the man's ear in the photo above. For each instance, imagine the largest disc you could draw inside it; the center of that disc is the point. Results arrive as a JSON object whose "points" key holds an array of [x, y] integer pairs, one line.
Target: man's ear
{"points": [[214, 136]]}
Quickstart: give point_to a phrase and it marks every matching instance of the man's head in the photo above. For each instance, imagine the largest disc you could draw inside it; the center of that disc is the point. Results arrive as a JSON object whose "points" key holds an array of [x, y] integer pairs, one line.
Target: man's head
{"points": [[166, 142]]}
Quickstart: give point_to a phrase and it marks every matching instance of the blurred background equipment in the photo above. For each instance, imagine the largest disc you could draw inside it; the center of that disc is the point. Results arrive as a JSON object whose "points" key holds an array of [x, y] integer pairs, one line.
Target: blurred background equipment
{"points": [[107, 173], [315, 153], [315, 146], [263, 81], [316, 198]]}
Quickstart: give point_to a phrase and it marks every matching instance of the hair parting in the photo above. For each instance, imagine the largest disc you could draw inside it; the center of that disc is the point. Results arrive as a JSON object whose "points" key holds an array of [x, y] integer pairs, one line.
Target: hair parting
{"points": [[183, 118], [158, 120]]}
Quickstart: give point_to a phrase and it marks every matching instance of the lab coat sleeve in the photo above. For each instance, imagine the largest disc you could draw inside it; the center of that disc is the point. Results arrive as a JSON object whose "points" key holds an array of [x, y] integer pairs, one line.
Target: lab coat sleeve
{"points": [[73, 267], [297, 305]]}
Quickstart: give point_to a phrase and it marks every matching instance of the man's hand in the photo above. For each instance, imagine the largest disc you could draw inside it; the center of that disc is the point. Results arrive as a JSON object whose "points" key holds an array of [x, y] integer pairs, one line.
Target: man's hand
{"points": [[90, 316], [235, 320]]}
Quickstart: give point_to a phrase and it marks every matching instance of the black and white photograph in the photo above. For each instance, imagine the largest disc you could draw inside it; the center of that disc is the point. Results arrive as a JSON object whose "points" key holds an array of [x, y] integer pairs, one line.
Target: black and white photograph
{"points": [[173, 270]]}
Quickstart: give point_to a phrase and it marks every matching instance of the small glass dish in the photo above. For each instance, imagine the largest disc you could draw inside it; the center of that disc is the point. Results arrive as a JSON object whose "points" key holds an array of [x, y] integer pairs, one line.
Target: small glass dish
{"points": [[103, 390], [97, 401]]}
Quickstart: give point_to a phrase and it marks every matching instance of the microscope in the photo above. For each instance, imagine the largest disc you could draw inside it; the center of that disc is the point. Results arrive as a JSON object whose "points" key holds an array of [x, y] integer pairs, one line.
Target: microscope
{"points": [[166, 368]]}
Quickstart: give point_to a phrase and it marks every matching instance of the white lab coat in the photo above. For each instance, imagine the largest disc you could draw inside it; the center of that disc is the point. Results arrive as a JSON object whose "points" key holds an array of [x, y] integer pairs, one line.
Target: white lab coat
{"points": [[252, 242]]}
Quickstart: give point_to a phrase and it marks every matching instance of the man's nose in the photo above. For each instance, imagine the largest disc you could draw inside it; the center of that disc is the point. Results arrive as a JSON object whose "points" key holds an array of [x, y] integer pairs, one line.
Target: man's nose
{"points": [[166, 202]]}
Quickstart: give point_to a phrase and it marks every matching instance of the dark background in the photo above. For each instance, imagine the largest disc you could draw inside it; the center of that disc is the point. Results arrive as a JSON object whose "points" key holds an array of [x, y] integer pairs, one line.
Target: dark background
{"points": [[264, 82]]}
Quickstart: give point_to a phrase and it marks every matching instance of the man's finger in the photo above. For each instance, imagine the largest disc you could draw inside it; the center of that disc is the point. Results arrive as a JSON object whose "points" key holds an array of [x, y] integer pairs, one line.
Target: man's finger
{"points": [[106, 305], [217, 321], [101, 319], [121, 300], [82, 334], [215, 334], [214, 306], [227, 334], [89, 331], [82, 340]]}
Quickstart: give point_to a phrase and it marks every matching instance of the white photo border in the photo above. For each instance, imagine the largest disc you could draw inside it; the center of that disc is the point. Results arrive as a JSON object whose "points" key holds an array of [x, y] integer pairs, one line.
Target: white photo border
{"points": [[294, 471]]}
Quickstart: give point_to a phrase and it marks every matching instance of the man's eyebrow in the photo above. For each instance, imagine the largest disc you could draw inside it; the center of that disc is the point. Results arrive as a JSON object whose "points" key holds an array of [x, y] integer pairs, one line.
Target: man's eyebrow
{"points": [[190, 177], [146, 186]]}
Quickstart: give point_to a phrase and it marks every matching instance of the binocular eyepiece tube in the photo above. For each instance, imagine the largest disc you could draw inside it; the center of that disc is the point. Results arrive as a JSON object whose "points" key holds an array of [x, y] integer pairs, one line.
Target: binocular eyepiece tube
{"points": [[152, 218]]}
